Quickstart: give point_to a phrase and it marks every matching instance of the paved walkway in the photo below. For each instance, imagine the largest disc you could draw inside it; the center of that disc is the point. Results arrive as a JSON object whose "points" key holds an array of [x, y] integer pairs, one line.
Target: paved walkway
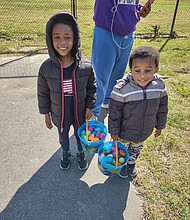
{"points": [[32, 187]]}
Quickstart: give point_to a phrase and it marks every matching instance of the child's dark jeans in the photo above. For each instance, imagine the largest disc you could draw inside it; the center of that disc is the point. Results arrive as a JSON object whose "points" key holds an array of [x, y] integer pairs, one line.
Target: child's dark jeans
{"points": [[64, 137]]}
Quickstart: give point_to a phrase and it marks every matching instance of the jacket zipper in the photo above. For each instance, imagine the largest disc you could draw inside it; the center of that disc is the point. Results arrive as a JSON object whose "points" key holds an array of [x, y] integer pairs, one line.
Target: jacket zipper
{"points": [[62, 96], [76, 98], [142, 119]]}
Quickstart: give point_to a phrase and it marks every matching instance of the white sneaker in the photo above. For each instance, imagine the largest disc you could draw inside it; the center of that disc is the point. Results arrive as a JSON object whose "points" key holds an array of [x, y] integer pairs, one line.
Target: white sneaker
{"points": [[105, 105]]}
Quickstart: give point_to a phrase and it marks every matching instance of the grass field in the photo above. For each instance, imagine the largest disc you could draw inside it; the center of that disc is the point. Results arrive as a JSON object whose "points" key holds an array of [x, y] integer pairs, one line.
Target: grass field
{"points": [[22, 27], [164, 163]]}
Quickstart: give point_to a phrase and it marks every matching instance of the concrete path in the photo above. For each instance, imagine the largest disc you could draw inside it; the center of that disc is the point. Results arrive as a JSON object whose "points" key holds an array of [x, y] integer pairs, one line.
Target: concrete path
{"points": [[32, 186]]}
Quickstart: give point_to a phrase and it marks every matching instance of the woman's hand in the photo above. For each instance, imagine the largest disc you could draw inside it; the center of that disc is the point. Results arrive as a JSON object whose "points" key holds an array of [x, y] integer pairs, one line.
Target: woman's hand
{"points": [[144, 11]]}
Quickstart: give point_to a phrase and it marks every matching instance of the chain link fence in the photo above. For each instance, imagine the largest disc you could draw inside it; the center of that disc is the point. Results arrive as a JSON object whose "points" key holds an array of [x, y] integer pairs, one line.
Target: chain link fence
{"points": [[23, 21]]}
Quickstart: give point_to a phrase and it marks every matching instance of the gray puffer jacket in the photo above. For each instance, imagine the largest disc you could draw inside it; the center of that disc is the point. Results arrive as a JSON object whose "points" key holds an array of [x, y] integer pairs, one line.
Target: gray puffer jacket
{"points": [[135, 111], [51, 75]]}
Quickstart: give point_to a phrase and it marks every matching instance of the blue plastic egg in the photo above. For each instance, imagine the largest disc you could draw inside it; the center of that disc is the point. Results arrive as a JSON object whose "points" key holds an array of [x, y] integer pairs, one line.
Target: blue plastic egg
{"points": [[107, 159], [98, 129], [83, 132]]}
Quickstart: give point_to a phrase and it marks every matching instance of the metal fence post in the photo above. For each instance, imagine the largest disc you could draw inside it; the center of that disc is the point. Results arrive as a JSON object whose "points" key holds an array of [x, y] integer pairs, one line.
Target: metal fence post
{"points": [[174, 17], [74, 8]]}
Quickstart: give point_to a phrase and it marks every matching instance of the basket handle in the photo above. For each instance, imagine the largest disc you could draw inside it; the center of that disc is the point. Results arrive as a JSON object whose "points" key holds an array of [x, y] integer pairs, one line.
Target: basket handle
{"points": [[116, 161], [86, 129]]}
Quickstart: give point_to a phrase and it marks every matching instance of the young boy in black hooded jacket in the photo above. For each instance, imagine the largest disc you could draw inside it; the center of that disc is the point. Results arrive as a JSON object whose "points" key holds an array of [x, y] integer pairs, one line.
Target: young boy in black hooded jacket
{"points": [[66, 85]]}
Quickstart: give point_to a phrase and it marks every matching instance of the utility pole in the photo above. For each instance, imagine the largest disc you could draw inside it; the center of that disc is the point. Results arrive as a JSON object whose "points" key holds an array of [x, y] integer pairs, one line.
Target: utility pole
{"points": [[173, 22], [74, 8]]}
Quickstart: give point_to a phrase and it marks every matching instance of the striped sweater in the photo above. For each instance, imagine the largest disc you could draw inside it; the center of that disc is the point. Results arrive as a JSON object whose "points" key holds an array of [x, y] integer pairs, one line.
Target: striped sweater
{"points": [[135, 111]]}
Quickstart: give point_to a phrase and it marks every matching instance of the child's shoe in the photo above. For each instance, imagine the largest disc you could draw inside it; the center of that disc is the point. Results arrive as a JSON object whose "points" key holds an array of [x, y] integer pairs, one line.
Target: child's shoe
{"points": [[82, 161], [132, 170], [65, 160], [124, 172]]}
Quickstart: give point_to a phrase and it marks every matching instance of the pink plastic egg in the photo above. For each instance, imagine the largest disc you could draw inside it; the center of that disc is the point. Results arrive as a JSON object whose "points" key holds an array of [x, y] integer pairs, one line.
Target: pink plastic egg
{"points": [[90, 128], [97, 134], [113, 148], [102, 154], [102, 135]]}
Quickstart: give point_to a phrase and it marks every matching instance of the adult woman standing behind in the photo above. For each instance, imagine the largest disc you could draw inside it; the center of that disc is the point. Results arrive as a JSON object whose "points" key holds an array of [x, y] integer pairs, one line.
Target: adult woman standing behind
{"points": [[115, 23]]}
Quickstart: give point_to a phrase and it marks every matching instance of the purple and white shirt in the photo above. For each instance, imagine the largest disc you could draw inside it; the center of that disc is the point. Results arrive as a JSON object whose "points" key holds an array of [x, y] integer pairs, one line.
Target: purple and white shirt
{"points": [[117, 16]]}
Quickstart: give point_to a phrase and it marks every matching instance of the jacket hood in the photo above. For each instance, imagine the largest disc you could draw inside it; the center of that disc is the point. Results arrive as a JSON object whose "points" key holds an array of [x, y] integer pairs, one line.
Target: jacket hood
{"points": [[65, 18]]}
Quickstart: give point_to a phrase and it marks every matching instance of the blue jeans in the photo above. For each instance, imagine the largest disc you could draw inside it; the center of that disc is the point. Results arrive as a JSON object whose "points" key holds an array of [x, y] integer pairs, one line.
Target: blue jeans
{"points": [[109, 59], [64, 138]]}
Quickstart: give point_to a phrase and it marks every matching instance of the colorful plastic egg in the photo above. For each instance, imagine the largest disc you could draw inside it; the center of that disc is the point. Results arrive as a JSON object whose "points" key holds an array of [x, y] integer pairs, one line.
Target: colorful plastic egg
{"points": [[108, 150], [98, 129], [122, 152], [83, 132], [97, 134], [102, 154], [102, 135], [91, 137], [96, 139], [83, 136], [114, 153], [107, 147], [107, 159], [90, 128], [113, 148], [122, 160]]}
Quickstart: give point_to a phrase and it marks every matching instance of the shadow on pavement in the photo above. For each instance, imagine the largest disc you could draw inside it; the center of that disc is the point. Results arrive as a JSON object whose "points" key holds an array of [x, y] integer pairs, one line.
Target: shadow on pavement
{"points": [[55, 194]]}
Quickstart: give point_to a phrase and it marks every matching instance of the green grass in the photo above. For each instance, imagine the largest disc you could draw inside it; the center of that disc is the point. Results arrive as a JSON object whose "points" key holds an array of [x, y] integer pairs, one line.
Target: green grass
{"points": [[22, 27], [163, 180], [164, 162], [162, 15]]}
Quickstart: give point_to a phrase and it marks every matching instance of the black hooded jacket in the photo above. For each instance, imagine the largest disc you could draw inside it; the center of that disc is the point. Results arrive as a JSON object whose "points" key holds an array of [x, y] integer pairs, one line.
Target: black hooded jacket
{"points": [[51, 75]]}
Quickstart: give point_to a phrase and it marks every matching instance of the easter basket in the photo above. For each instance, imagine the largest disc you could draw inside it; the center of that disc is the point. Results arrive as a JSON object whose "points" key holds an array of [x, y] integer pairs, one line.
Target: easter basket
{"points": [[97, 133], [107, 158]]}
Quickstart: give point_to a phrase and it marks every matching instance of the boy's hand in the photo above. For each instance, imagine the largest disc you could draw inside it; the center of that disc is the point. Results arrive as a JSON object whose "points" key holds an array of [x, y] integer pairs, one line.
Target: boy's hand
{"points": [[144, 11], [88, 114], [157, 133], [48, 121], [114, 137]]}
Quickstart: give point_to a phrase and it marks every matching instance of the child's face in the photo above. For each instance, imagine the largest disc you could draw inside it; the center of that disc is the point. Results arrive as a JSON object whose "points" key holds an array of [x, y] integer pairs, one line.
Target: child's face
{"points": [[143, 70], [62, 37]]}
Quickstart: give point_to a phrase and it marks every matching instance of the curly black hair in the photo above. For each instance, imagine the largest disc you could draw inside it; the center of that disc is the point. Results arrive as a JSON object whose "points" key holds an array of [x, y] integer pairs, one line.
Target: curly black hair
{"points": [[144, 52]]}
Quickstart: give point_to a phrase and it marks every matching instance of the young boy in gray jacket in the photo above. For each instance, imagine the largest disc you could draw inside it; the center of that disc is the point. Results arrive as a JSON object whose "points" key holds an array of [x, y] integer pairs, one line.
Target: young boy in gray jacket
{"points": [[139, 103]]}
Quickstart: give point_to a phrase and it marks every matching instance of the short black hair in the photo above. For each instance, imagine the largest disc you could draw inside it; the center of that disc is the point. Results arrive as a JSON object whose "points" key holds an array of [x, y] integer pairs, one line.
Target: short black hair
{"points": [[144, 52]]}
